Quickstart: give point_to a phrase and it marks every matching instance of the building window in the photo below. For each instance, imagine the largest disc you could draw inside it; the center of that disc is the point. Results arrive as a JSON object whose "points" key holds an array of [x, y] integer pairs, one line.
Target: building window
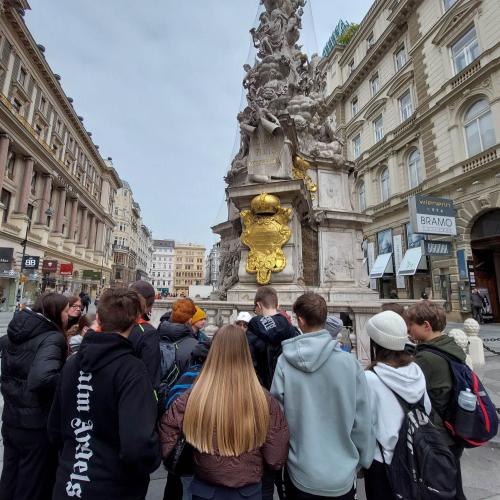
{"points": [[375, 84], [465, 50], [17, 105], [400, 58], [5, 199], [42, 105], [22, 76], [378, 128], [385, 191], [370, 41], [10, 165], [414, 172], [356, 147], [478, 125], [354, 106], [448, 3], [405, 106], [351, 66], [361, 197], [33, 183]]}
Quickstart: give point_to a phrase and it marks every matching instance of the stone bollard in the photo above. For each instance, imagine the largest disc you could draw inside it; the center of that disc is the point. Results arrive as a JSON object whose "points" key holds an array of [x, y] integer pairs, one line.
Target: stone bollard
{"points": [[463, 342], [476, 349]]}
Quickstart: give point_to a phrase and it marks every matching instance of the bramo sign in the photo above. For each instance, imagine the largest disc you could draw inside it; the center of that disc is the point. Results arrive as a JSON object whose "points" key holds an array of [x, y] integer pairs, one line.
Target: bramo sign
{"points": [[432, 215]]}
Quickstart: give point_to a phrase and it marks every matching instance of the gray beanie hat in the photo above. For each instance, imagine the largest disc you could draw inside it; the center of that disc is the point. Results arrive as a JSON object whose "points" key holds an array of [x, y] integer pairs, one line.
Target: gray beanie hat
{"points": [[334, 325], [388, 329]]}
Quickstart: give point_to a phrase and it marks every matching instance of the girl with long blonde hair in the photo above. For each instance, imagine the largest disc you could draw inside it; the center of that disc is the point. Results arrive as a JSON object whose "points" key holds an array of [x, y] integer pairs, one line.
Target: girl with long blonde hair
{"points": [[235, 427]]}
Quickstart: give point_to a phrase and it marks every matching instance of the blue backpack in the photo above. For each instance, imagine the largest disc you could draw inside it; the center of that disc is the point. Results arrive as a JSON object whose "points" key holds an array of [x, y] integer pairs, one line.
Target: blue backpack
{"points": [[169, 371], [485, 417]]}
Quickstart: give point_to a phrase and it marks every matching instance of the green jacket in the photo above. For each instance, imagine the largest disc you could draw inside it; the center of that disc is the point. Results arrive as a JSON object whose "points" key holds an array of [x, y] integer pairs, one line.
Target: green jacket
{"points": [[438, 377]]}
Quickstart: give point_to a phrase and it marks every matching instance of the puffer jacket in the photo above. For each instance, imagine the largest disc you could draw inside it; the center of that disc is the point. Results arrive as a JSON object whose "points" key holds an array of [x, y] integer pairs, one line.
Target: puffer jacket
{"points": [[231, 472], [185, 339], [33, 353]]}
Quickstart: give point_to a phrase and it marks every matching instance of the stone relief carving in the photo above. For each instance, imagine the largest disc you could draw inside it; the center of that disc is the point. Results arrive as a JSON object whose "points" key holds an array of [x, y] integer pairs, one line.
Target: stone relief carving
{"points": [[230, 254]]}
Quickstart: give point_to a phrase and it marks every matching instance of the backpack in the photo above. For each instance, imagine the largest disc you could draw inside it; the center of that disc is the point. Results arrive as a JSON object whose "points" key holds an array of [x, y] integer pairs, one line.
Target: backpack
{"points": [[485, 419], [169, 370], [422, 467]]}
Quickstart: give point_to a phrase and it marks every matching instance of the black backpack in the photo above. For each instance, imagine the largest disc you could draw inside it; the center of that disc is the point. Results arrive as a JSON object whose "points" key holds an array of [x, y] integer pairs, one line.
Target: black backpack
{"points": [[423, 467]]}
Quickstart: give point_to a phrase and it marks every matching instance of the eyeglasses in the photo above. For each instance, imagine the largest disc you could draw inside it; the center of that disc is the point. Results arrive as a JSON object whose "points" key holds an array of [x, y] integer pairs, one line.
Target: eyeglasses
{"points": [[76, 306], [241, 323]]}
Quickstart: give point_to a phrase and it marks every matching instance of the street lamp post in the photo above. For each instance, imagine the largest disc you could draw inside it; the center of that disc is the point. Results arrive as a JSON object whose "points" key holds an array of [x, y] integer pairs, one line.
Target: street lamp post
{"points": [[20, 289]]}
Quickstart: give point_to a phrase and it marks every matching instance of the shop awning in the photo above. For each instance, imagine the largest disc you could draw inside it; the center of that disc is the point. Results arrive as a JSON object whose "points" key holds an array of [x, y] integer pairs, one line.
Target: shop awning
{"points": [[381, 265], [410, 262]]}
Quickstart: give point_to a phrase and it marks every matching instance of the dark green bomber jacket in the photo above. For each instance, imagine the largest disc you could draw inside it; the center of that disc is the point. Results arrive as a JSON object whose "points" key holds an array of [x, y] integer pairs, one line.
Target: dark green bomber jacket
{"points": [[438, 377]]}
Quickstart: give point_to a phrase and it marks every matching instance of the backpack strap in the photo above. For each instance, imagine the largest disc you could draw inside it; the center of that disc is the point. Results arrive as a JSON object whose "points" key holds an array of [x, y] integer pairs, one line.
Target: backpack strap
{"points": [[435, 350]]}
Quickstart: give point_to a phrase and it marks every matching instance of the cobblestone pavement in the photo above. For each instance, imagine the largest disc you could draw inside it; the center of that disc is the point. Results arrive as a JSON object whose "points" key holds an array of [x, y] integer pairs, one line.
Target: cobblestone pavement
{"points": [[480, 466]]}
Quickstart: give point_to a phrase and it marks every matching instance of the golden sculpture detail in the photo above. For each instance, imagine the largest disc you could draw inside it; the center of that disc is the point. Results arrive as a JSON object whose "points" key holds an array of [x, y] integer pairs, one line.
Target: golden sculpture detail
{"points": [[265, 231], [299, 171]]}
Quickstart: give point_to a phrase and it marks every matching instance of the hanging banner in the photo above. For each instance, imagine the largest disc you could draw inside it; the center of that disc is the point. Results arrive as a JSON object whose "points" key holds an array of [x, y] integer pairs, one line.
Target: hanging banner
{"points": [[437, 248], [432, 215], [462, 265], [371, 260], [66, 270], [30, 262], [49, 266], [397, 241]]}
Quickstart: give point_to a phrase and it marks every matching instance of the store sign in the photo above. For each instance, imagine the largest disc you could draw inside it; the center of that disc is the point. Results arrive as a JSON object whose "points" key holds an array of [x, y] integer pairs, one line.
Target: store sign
{"points": [[49, 266], [462, 265], [6, 255], [66, 270], [432, 215], [437, 248], [30, 262], [398, 257], [89, 274]]}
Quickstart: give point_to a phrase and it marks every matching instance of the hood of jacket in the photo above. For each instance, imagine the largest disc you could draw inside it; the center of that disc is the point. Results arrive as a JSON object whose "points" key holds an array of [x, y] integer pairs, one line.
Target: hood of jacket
{"points": [[99, 349], [27, 324], [308, 352], [407, 381], [272, 329], [174, 331], [446, 344]]}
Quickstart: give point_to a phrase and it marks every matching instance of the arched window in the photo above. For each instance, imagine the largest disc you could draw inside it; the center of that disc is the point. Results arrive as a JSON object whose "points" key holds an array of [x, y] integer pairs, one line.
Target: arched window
{"points": [[478, 126], [361, 197], [414, 173], [385, 190]]}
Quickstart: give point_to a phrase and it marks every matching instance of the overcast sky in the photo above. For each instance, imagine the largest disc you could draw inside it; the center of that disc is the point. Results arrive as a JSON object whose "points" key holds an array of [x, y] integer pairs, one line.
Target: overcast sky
{"points": [[158, 83]]}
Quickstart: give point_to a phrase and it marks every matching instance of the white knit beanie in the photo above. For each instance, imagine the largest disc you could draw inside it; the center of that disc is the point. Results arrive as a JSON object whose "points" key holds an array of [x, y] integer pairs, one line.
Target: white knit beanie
{"points": [[388, 329]]}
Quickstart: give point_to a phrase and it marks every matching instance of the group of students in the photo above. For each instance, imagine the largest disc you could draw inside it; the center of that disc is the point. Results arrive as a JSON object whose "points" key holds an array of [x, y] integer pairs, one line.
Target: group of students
{"points": [[261, 405]]}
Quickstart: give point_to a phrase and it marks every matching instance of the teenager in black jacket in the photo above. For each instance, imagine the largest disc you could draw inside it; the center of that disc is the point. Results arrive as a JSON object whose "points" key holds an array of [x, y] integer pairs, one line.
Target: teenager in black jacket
{"points": [[104, 414], [144, 336], [33, 353]]}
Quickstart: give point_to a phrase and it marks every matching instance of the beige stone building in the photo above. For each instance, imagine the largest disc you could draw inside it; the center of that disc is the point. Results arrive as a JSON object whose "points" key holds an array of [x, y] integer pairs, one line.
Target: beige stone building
{"points": [[57, 193], [189, 266], [416, 97], [132, 243]]}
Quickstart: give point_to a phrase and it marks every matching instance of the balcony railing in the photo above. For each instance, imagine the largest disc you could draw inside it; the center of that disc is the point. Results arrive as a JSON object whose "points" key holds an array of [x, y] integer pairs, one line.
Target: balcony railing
{"points": [[466, 74], [480, 160]]}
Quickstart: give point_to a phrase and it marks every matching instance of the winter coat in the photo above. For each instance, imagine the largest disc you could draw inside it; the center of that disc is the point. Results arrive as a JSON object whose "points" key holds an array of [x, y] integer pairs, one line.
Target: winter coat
{"points": [[185, 338], [324, 394], [408, 382], [33, 353], [438, 377], [104, 421], [146, 342], [265, 334], [476, 300], [231, 472]]}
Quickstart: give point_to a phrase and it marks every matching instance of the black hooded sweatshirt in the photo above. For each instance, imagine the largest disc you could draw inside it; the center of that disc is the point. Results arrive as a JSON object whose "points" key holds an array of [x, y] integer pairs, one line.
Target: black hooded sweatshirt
{"points": [[33, 353], [265, 334], [104, 421]]}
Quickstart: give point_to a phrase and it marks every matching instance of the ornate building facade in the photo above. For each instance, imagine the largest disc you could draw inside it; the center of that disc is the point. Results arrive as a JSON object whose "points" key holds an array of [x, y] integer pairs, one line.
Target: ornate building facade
{"points": [[132, 242], [188, 266], [57, 193], [162, 266], [212, 266], [415, 96]]}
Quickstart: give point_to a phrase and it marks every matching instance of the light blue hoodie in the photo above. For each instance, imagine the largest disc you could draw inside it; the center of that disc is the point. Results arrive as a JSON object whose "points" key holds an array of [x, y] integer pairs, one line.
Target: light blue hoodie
{"points": [[324, 395]]}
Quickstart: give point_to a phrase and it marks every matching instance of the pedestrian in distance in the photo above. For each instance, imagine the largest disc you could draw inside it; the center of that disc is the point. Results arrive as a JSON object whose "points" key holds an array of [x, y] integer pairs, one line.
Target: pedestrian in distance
{"points": [[477, 305], [236, 428], [393, 375], [33, 353], [427, 322], [198, 322], [103, 419], [394, 294], [242, 320], [74, 312], [324, 394], [144, 336]]}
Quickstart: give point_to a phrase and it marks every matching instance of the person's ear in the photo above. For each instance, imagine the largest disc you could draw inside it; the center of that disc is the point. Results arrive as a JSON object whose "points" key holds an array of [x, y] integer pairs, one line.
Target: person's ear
{"points": [[301, 322]]}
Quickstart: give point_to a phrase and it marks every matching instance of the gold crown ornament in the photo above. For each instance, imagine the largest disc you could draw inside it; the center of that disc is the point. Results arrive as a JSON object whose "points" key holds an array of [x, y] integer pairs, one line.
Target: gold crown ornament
{"points": [[265, 204]]}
